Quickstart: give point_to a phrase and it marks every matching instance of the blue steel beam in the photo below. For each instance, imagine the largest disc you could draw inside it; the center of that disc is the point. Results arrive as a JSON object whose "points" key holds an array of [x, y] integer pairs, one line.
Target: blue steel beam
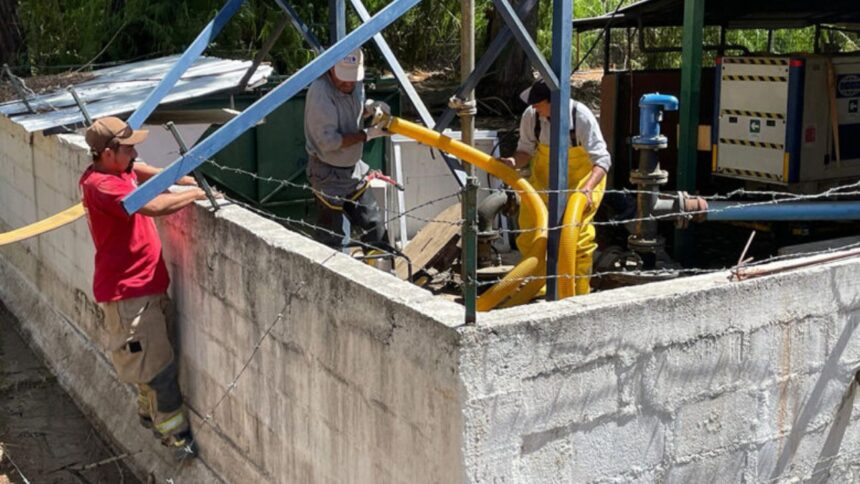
{"points": [[396, 69], [337, 20], [400, 75], [492, 53], [527, 43], [301, 27], [562, 31], [263, 107], [188, 57]]}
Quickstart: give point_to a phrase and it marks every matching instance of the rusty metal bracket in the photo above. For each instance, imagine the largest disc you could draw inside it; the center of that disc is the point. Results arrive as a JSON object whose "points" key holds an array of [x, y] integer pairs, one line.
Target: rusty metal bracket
{"points": [[198, 176]]}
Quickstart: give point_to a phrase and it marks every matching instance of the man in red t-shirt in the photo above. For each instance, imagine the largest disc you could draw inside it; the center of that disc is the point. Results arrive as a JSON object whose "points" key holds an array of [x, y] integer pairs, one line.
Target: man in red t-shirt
{"points": [[130, 279]]}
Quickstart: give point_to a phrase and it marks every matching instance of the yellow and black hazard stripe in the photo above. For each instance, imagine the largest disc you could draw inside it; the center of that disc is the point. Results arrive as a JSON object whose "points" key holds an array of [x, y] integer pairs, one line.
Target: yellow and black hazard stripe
{"points": [[756, 78], [748, 173], [754, 144], [752, 114], [757, 61]]}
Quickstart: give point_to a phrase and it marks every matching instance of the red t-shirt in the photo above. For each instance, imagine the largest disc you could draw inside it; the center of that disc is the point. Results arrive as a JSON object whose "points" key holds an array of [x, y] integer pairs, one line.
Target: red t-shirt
{"points": [[129, 262]]}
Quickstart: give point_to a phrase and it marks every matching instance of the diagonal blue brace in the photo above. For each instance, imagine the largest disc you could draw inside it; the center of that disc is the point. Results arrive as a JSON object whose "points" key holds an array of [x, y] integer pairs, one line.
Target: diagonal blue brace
{"points": [[188, 57], [264, 106], [493, 51], [400, 75], [300, 26], [527, 43]]}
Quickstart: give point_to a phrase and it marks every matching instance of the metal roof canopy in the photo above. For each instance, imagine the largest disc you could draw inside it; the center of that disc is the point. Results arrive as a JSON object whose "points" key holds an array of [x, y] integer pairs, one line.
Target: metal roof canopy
{"points": [[735, 14], [119, 90]]}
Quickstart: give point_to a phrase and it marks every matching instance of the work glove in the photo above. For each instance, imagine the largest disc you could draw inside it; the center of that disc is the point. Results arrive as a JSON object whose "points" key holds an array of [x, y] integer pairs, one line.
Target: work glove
{"points": [[374, 132], [370, 105]]}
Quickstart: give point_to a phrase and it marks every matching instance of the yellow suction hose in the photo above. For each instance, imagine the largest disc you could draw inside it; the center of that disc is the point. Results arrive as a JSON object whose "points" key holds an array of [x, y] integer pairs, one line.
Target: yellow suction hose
{"points": [[533, 264], [572, 223], [68, 215]]}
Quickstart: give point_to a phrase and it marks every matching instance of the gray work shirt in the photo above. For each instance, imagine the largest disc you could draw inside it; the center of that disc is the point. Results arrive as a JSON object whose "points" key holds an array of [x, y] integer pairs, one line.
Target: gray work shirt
{"points": [[329, 114], [587, 134]]}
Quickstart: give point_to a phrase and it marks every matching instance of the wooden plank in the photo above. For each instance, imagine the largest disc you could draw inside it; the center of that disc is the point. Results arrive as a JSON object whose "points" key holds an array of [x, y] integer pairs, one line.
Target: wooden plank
{"points": [[436, 239]]}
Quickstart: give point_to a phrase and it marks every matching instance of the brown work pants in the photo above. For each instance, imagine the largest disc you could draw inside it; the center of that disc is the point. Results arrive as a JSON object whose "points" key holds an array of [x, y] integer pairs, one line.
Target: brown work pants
{"points": [[139, 341]]}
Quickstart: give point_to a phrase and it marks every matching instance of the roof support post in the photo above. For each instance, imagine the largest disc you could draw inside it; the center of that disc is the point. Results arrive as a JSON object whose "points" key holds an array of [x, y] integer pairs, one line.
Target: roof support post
{"points": [[490, 55], [562, 29], [264, 106], [188, 57], [263, 52], [527, 43], [467, 65], [336, 20], [300, 26], [411, 93], [691, 78]]}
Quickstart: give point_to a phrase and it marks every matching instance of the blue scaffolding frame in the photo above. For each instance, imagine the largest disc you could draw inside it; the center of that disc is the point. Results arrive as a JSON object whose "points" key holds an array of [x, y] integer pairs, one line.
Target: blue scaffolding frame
{"points": [[556, 73]]}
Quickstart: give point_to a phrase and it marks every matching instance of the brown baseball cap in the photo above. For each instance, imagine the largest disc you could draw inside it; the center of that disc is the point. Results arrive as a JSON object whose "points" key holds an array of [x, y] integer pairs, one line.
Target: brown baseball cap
{"points": [[104, 131]]}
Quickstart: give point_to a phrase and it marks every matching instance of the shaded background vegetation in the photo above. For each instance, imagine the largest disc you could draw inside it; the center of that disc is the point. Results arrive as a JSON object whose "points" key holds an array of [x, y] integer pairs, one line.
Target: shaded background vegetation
{"points": [[49, 36]]}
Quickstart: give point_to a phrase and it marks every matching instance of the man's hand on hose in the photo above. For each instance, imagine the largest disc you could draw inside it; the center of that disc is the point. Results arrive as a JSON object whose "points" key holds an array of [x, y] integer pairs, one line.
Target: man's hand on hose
{"points": [[370, 106], [374, 132]]}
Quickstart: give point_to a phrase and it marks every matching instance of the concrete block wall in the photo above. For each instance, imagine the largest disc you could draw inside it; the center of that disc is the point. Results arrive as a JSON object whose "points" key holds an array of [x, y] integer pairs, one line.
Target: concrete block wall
{"points": [[302, 365], [297, 364], [697, 380]]}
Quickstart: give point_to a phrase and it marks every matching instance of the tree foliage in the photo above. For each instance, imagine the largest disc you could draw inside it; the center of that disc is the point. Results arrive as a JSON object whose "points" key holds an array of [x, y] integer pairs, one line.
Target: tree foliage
{"points": [[63, 33]]}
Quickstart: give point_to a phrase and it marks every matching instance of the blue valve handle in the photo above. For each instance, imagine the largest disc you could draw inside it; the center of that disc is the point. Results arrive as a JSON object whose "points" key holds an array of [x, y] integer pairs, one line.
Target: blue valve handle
{"points": [[651, 107]]}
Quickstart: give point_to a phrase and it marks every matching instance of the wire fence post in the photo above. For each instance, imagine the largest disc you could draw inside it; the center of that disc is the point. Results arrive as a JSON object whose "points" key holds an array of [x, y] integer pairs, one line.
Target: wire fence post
{"points": [[470, 248]]}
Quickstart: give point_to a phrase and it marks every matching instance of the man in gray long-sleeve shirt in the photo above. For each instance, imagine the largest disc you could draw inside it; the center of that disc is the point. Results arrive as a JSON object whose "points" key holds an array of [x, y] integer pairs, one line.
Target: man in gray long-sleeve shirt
{"points": [[334, 109]]}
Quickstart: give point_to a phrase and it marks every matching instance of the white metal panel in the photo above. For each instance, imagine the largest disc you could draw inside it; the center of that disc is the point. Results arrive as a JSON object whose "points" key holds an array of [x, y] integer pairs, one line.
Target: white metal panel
{"points": [[427, 179], [121, 89]]}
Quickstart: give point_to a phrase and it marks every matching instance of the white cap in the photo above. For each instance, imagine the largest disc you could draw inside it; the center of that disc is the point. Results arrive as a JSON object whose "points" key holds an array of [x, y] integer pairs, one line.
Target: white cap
{"points": [[351, 67]]}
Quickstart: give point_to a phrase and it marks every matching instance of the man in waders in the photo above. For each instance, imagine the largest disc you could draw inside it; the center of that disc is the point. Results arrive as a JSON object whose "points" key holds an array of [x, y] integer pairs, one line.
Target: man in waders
{"points": [[588, 162]]}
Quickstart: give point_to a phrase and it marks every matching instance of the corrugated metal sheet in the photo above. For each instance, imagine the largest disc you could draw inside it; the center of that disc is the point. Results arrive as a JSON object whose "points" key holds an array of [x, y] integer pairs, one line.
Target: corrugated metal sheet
{"points": [[120, 90]]}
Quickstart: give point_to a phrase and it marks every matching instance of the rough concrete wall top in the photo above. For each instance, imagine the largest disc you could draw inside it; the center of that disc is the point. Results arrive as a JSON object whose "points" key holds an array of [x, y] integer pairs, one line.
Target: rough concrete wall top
{"points": [[694, 380]]}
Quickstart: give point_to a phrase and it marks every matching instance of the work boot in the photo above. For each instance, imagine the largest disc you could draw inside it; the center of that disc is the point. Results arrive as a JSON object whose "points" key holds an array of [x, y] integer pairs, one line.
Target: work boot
{"points": [[182, 445]]}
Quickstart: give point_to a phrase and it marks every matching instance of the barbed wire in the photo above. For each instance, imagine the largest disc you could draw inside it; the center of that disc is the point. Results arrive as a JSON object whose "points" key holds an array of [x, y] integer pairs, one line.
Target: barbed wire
{"points": [[679, 271], [716, 197], [287, 308], [692, 213], [784, 197], [304, 186]]}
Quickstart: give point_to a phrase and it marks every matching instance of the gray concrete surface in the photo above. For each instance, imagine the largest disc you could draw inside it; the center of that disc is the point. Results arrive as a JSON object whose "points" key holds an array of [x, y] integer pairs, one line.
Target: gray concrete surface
{"points": [[302, 365], [44, 438]]}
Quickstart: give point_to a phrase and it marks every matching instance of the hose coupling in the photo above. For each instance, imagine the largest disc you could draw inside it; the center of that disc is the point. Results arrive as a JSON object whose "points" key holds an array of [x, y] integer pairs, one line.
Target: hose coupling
{"points": [[462, 106], [380, 118]]}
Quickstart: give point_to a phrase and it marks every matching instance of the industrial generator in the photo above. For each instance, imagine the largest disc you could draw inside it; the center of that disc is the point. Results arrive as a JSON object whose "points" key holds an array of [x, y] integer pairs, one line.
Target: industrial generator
{"points": [[791, 121]]}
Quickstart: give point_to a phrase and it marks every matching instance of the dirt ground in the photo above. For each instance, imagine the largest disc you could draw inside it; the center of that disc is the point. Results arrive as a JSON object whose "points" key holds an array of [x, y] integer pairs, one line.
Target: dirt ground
{"points": [[44, 438]]}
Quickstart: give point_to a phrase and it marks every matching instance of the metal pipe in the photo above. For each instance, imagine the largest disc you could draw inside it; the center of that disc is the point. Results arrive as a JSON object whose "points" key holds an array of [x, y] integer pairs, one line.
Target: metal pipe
{"points": [[204, 38], [263, 52], [722, 211], [470, 248], [467, 65], [489, 208]]}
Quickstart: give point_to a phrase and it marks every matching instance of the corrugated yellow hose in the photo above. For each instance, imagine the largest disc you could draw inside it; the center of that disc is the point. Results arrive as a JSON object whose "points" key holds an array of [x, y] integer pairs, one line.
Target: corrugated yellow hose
{"points": [[568, 245], [510, 290], [67, 216]]}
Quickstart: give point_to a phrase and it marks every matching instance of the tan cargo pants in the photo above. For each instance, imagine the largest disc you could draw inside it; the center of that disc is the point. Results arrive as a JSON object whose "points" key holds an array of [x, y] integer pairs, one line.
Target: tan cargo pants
{"points": [[139, 340]]}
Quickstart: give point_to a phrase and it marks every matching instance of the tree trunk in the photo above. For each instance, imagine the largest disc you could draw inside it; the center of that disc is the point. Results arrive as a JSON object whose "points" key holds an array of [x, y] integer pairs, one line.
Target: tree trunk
{"points": [[11, 34], [513, 71]]}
